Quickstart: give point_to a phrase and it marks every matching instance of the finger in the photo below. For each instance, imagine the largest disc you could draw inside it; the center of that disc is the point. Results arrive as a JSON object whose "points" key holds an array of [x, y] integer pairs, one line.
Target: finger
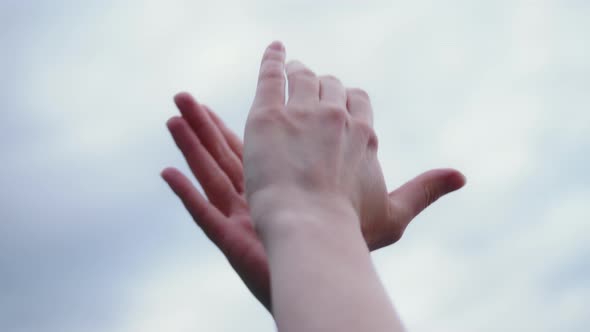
{"points": [[205, 215], [417, 194], [211, 137], [234, 142], [271, 79], [359, 105], [332, 91], [215, 182], [304, 86]]}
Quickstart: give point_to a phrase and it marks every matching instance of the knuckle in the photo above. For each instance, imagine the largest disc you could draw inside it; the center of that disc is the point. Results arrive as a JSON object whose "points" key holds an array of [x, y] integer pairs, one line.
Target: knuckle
{"points": [[300, 111], [373, 142], [223, 159], [430, 194], [190, 148], [368, 134], [272, 55], [271, 71], [263, 118], [328, 107], [335, 114]]}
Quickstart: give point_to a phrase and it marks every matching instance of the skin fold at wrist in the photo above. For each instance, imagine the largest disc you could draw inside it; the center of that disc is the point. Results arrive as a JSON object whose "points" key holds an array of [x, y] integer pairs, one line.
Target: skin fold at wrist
{"points": [[281, 211]]}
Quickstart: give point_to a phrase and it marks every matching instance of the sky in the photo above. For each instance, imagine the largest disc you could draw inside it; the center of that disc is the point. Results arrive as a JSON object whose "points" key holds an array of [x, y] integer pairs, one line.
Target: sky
{"points": [[91, 239]]}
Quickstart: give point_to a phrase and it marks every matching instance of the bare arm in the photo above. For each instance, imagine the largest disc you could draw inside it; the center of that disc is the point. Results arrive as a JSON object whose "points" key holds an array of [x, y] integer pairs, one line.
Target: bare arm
{"points": [[322, 275], [310, 167], [210, 148], [213, 152]]}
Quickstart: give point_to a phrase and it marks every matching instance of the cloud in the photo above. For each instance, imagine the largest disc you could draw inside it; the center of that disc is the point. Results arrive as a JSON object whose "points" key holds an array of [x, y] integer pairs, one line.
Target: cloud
{"points": [[90, 236], [183, 300]]}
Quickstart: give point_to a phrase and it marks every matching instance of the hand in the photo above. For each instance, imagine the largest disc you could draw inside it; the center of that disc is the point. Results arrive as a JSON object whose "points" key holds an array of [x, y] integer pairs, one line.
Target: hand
{"points": [[320, 156], [214, 156], [323, 145]]}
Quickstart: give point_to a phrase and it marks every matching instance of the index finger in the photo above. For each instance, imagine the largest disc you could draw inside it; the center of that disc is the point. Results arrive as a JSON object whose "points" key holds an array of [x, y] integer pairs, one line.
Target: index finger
{"points": [[271, 79]]}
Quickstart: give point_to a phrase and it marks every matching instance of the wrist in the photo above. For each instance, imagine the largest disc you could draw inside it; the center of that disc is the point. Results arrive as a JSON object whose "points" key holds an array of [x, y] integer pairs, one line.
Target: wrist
{"points": [[288, 210], [301, 231]]}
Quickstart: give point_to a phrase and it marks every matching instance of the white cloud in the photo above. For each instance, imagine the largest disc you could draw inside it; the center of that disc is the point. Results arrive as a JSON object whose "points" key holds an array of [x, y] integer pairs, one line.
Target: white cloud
{"points": [[492, 88], [200, 294]]}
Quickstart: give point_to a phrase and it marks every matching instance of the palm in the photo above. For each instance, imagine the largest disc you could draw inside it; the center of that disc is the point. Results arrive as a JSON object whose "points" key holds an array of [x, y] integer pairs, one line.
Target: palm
{"points": [[244, 251], [214, 154]]}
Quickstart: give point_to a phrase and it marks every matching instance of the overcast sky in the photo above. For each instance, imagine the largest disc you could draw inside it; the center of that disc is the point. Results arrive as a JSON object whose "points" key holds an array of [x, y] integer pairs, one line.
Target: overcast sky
{"points": [[91, 239]]}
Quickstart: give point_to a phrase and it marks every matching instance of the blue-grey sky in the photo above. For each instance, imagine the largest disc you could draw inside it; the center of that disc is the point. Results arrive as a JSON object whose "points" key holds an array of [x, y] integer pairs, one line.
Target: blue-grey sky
{"points": [[91, 239]]}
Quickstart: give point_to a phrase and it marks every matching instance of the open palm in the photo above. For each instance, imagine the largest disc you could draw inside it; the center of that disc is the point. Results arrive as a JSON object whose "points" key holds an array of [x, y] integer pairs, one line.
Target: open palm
{"points": [[214, 155]]}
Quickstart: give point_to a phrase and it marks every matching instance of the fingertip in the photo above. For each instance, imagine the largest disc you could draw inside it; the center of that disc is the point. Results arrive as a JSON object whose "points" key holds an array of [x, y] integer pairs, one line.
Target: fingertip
{"points": [[172, 176], [463, 180], [183, 94], [184, 101], [455, 179], [166, 173], [277, 45], [180, 96], [173, 121]]}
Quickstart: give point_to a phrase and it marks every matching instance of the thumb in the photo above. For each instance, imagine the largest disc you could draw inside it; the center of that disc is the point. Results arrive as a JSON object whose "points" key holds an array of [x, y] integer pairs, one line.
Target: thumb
{"points": [[423, 190]]}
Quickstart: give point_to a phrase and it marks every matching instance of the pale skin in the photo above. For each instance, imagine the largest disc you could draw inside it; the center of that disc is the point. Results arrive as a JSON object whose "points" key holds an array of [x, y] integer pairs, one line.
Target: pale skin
{"points": [[322, 162]]}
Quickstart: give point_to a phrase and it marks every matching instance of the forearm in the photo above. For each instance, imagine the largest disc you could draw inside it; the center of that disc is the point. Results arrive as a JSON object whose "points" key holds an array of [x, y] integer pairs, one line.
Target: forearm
{"points": [[322, 277]]}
